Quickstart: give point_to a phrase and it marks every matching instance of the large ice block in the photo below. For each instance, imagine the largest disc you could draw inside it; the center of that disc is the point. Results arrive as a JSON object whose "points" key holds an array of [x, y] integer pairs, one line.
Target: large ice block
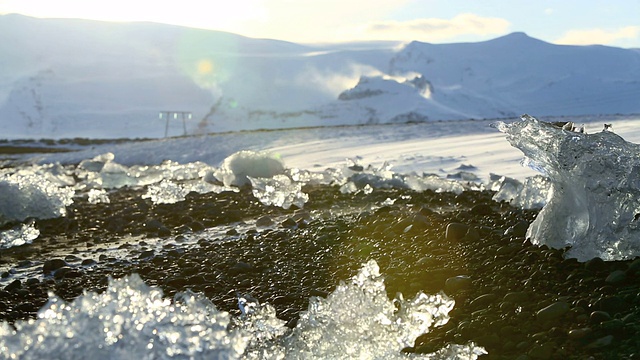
{"points": [[594, 202]]}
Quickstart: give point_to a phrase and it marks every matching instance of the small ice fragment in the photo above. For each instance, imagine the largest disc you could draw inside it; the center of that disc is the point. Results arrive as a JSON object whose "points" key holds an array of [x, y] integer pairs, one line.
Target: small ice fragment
{"points": [[20, 235], [349, 188], [594, 201], [165, 192], [278, 191], [96, 196], [433, 182]]}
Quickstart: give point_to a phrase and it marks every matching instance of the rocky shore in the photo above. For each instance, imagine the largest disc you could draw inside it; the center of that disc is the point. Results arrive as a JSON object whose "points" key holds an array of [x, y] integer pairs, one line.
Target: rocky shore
{"points": [[517, 300]]}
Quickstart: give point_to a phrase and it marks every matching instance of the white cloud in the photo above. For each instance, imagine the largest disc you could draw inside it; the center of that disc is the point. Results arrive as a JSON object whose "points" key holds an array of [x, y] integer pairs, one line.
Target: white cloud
{"points": [[599, 36], [435, 29]]}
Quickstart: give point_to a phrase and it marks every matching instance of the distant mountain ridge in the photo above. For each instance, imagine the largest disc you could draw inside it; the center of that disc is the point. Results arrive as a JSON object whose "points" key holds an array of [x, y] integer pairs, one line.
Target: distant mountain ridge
{"points": [[80, 78]]}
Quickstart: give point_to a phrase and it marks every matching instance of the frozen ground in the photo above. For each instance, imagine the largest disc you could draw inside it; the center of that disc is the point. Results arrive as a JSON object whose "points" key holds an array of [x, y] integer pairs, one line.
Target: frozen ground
{"points": [[442, 148]]}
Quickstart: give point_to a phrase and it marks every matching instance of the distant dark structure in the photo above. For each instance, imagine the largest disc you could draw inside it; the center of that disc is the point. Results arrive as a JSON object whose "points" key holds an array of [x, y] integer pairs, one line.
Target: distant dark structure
{"points": [[168, 114]]}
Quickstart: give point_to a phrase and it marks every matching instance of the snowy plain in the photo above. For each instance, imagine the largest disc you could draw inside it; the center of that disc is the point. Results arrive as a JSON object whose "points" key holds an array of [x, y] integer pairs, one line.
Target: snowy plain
{"points": [[442, 148]]}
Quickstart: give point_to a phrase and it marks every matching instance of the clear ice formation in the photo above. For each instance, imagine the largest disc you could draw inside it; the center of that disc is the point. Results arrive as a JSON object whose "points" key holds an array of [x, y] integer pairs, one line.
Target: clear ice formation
{"points": [[132, 320], [169, 192], [279, 191], [593, 205], [32, 195], [19, 235], [532, 194]]}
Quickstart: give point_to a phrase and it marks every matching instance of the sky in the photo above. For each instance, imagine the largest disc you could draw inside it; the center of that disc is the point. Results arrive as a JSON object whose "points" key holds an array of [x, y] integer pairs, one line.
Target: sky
{"points": [[584, 22]]}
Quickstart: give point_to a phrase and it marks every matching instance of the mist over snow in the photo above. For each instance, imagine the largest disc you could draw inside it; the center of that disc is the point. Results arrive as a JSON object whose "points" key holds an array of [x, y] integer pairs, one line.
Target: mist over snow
{"points": [[62, 78]]}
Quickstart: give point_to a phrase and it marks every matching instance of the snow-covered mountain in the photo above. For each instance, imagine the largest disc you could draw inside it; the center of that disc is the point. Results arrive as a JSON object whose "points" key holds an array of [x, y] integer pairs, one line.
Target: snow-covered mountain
{"points": [[79, 78]]}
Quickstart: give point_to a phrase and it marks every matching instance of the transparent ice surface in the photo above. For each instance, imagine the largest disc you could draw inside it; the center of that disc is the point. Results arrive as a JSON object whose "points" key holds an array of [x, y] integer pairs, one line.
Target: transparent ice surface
{"points": [[20, 235], [279, 190], [131, 320], [594, 199], [433, 182], [169, 192], [32, 195], [358, 321], [532, 194]]}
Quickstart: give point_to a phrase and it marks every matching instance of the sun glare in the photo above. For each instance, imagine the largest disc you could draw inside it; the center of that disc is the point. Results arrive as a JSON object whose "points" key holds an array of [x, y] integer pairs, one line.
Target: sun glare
{"points": [[205, 67]]}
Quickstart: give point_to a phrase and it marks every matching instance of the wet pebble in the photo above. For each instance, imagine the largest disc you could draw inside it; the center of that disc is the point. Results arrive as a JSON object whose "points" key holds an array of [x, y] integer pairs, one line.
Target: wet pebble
{"points": [[601, 342], [595, 265], [552, 312], [616, 277], [456, 231], [457, 283], [596, 317], [52, 265], [577, 334]]}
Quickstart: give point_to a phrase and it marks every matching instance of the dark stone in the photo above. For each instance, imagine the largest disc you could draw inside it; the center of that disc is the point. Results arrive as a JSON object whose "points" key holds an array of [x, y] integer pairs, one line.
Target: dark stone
{"points": [[13, 286], [196, 226], [52, 265], [289, 223], [146, 254], [616, 277], [482, 209], [577, 334], [163, 231], [552, 312], [61, 272], [518, 230], [597, 317], [456, 231], [595, 265], [457, 283], [483, 301], [241, 267], [88, 262], [153, 225], [612, 304]]}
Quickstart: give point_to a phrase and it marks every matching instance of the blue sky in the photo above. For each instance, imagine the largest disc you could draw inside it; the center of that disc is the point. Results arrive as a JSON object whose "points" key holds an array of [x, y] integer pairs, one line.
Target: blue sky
{"points": [[615, 23]]}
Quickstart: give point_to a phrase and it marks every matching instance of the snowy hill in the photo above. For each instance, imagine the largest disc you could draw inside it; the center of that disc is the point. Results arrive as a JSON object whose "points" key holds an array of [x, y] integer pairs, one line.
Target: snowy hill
{"points": [[76, 78]]}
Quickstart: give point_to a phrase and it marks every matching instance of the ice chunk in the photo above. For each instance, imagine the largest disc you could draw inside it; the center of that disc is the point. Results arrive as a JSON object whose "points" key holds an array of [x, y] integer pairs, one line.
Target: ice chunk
{"points": [[30, 195], [103, 172], [433, 182], [358, 321], [20, 235], [169, 192], [128, 321], [532, 194], [165, 192], [278, 191], [594, 201], [134, 321], [97, 163], [96, 196], [236, 168]]}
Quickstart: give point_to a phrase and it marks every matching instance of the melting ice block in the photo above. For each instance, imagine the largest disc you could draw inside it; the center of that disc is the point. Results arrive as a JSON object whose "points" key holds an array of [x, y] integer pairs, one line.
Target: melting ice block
{"points": [[594, 198], [31, 195]]}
